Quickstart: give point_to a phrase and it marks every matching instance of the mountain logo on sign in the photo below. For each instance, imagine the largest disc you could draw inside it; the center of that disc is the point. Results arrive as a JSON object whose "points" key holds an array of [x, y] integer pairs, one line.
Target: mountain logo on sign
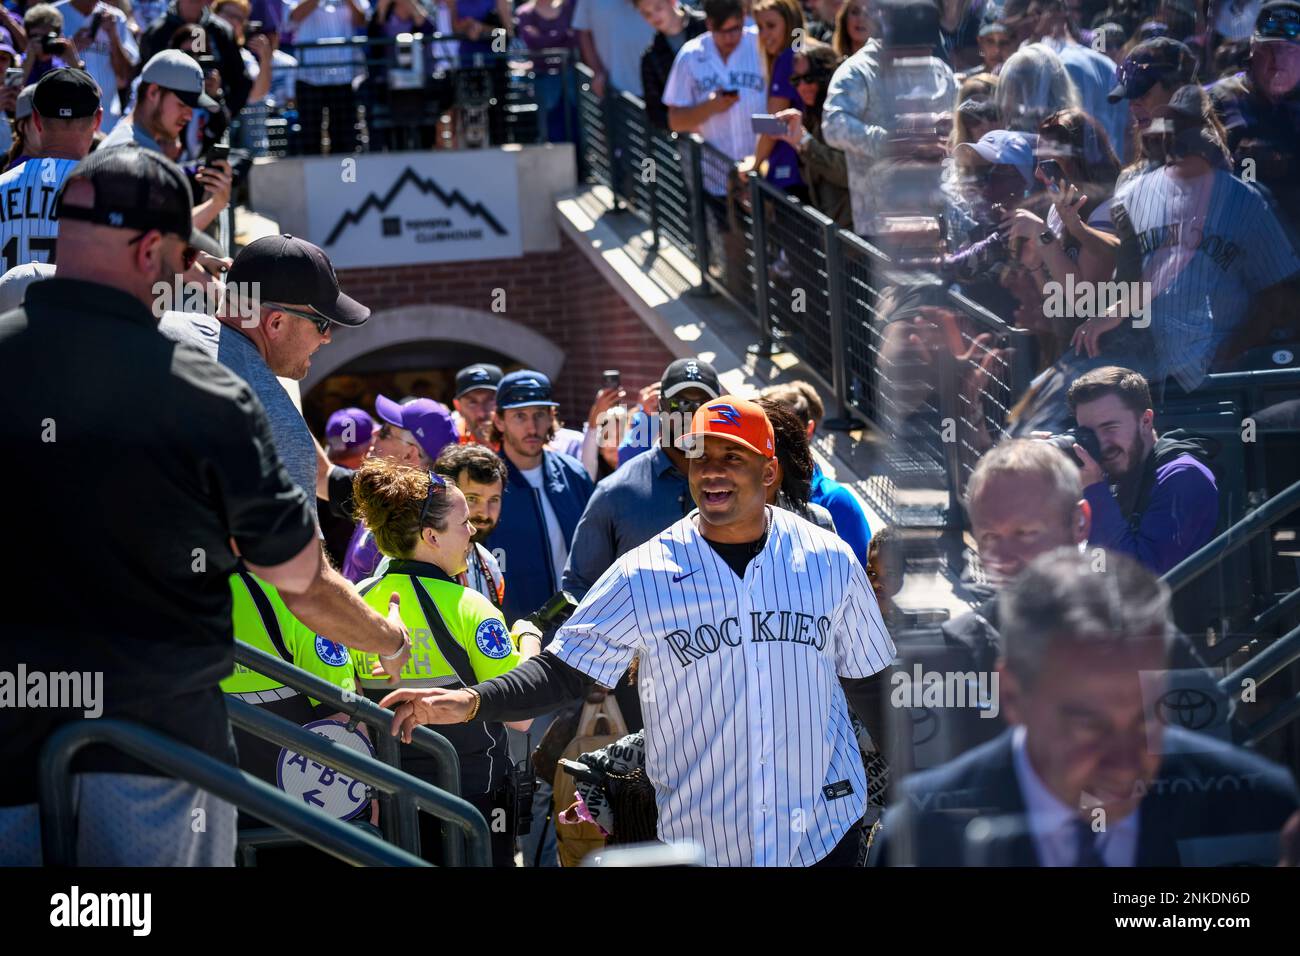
{"points": [[452, 200]]}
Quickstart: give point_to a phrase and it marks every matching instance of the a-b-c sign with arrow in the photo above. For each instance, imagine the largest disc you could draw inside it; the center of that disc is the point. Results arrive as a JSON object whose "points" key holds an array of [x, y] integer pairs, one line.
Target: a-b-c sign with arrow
{"points": [[411, 208], [307, 779]]}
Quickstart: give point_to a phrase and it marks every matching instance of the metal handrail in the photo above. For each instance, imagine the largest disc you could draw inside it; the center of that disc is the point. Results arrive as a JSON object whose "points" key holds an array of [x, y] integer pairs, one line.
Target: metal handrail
{"points": [[1197, 563], [427, 797], [58, 814], [1275, 658], [446, 768]]}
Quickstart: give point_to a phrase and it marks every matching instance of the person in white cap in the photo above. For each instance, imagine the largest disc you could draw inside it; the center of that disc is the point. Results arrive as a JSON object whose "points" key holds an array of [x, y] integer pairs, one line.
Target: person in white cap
{"points": [[171, 86]]}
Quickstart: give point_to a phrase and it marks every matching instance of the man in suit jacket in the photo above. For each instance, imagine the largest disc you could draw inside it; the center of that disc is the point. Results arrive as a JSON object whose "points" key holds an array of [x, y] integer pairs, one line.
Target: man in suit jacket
{"points": [[1025, 498], [1086, 775]]}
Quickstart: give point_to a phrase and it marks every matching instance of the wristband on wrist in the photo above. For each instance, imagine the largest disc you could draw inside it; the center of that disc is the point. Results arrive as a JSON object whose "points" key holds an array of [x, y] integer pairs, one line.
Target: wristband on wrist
{"points": [[396, 654], [473, 710]]}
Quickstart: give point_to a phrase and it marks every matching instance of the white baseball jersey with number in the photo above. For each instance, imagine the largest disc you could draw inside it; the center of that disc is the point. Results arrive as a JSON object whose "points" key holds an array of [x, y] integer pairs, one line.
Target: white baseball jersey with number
{"points": [[748, 739], [28, 226]]}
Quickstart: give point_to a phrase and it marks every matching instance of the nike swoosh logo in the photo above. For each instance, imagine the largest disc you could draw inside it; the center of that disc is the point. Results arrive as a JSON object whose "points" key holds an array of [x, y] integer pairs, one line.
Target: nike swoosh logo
{"points": [[683, 577]]}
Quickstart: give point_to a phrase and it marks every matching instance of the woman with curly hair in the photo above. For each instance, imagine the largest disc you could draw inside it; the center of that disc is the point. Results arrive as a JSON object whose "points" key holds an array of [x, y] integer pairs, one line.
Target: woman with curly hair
{"points": [[421, 523]]}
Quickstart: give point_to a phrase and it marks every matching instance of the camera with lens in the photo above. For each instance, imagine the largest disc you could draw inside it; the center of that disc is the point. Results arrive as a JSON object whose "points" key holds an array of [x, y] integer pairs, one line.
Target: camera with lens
{"points": [[53, 43], [559, 607], [1086, 438]]}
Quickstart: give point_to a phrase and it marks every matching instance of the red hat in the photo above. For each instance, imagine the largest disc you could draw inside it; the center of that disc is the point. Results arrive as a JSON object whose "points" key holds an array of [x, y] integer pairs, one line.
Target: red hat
{"points": [[733, 418]]}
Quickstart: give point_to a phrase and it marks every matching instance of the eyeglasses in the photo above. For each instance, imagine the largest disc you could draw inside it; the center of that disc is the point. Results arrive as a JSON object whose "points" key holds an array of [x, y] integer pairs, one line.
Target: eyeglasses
{"points": [[682, 406], [188, 257], [437, 485], [322, 324], [813, 76], [1279, 25], [727, 31]]}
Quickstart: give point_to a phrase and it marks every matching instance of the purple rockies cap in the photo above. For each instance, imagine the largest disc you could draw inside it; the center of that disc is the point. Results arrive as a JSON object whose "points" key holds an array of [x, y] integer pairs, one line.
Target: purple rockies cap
{"points": [[429, 421], [349, 429]]}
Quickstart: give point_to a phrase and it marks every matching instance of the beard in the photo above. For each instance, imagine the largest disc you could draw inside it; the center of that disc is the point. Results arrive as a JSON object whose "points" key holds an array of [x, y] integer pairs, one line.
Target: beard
{"points": [[481, 531], [1132, 462]]}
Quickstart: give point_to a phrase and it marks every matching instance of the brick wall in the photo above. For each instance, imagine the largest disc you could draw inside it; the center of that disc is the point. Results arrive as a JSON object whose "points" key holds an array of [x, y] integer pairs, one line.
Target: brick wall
{"points": [[557, 294]]}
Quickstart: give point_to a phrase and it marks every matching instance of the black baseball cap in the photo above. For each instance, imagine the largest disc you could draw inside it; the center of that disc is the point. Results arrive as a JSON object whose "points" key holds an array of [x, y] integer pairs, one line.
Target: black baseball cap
{"points": [[522, 388], [136, 189], [292, 271], [1149, 62], [689, 373], [481, 375], [66, 93]]}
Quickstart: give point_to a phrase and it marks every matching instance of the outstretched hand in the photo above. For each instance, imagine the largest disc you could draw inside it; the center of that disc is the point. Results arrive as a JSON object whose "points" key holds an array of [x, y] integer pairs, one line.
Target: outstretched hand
{"points": [[415, 706]]}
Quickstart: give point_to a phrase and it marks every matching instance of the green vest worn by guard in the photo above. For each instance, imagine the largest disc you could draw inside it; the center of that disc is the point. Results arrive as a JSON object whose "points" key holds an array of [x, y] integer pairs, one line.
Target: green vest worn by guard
{"points": [[457, 638], [262, 620]]}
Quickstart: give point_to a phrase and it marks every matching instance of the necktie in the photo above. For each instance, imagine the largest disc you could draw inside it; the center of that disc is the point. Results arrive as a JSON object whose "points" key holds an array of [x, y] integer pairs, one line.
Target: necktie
{"points": [[1086, 852]]}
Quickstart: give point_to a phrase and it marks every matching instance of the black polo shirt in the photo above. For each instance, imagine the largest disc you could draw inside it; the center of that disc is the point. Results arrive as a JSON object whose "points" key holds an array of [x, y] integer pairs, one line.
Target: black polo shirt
{"points": [[133, 463]]}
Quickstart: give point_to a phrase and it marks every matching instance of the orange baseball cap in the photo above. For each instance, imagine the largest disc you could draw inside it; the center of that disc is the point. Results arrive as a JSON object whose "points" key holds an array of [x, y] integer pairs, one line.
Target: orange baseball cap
{"points": [[735, 419]]}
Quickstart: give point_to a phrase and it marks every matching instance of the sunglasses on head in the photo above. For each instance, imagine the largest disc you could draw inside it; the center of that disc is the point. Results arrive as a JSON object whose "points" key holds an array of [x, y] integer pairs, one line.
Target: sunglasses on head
{"points": [[189, 256], [322, 324], [437, 485], [1279, 25]]}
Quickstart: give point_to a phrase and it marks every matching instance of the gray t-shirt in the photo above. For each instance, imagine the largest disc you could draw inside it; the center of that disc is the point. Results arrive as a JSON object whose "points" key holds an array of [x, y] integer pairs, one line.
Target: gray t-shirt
{"points": [[128, 131], [620, 34], [238, 353], [292, 437]]}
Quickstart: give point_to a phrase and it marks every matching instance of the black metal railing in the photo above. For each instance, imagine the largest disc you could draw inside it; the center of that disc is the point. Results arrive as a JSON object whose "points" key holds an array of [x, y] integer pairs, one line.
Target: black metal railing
{"points": [[828, 297], [421, 796], [415, 91], [58, 809], [397, 808]]}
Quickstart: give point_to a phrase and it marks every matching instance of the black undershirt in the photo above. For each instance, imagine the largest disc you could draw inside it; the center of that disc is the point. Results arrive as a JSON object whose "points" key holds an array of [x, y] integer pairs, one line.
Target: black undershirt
{"points": [[738, 555]]}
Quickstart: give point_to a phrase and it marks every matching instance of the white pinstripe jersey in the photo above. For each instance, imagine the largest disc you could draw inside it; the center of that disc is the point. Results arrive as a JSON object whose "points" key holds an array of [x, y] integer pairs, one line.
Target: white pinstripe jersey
{"points": [[748, 739], [28, 227], [698, 70]]}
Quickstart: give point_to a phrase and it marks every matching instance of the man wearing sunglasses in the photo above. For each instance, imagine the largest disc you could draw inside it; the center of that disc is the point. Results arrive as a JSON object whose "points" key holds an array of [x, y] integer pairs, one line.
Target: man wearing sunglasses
{"points": [[282, 302], [1260, 108], [158, 465], [649, 492]]}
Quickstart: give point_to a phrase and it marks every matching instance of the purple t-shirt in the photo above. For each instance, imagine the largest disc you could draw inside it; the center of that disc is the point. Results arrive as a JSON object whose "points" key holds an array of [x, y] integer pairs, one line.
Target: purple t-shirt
{"points": [[540, 33], [1179, 518], [783, 163]]}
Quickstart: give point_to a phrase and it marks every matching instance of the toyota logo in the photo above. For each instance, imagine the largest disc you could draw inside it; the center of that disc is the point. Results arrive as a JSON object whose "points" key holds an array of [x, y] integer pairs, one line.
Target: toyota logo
{"points": [[1188, 708]]}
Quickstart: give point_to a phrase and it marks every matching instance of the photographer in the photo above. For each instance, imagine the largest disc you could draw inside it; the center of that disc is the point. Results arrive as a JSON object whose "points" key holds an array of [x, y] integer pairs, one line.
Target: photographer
{"points": [[48, 49], [1151, 497]]}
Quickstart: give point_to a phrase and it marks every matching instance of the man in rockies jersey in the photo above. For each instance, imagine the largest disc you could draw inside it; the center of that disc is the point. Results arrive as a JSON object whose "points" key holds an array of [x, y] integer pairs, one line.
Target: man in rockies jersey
{"points": [[66, 110], [752, 626]]}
